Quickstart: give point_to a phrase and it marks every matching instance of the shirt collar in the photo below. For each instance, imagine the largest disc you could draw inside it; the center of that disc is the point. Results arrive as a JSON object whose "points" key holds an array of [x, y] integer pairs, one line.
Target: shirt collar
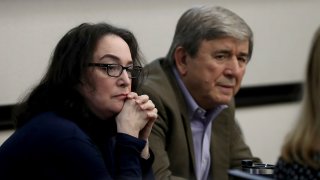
{"points": [[193, 107]]}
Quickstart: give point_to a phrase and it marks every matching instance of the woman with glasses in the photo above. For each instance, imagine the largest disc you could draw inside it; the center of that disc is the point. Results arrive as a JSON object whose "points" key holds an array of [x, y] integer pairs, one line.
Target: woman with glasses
{"points": [[84, 120]]}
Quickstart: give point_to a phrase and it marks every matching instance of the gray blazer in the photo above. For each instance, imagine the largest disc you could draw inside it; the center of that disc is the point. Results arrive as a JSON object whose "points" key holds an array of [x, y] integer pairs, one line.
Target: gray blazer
{"points": [[171, 137]]}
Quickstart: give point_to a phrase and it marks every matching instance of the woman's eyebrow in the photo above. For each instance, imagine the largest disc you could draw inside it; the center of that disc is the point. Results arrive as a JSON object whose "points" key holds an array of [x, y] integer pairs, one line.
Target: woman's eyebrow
{"points": [[110, 56], [114, 58]]}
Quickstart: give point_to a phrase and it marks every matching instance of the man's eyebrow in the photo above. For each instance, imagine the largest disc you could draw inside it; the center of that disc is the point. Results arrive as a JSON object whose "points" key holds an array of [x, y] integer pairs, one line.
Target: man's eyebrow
{"points": [[244, 54], [224, 51]]}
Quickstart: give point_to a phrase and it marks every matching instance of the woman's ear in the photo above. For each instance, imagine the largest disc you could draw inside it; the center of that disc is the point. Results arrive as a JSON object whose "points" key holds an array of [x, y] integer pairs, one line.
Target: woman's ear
{"points": [[180, 58]]}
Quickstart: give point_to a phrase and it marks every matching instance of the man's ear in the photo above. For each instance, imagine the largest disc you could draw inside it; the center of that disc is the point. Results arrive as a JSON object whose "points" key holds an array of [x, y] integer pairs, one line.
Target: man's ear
{"points": [[180, 58]]}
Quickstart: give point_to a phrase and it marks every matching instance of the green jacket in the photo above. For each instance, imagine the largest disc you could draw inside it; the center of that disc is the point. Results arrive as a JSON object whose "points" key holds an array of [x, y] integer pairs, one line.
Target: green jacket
{"points": [[171, 137]]}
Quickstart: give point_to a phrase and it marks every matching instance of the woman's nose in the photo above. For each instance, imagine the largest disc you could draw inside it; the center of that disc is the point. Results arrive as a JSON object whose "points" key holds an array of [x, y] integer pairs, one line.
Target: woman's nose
{"points": [[125, 78]]}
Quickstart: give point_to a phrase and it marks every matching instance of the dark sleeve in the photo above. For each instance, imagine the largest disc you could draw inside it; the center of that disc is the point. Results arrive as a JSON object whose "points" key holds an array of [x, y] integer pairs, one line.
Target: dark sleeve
{"points": [[146, 165], [129, 164], [82, 160]]}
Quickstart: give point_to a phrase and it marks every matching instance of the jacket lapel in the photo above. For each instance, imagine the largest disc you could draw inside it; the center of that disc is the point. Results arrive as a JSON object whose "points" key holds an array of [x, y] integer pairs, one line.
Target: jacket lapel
{"points": [[182, 108]]}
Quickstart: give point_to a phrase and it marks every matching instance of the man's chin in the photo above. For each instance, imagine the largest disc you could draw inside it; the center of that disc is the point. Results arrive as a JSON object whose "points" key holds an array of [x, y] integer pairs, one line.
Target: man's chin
{"points": [[225, 100], [217, 102]]}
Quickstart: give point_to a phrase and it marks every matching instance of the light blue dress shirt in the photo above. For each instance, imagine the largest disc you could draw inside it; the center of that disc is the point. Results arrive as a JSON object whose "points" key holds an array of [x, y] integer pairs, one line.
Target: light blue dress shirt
{"points": [[201, 123]]}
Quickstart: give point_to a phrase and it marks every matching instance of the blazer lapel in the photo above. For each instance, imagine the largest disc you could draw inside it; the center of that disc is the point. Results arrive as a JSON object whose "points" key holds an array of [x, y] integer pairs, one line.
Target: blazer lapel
{"points": [[184, 115]]}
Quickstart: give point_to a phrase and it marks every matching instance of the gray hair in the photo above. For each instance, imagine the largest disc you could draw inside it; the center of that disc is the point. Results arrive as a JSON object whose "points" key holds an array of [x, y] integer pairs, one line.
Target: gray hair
{"points": [[208, 23]]}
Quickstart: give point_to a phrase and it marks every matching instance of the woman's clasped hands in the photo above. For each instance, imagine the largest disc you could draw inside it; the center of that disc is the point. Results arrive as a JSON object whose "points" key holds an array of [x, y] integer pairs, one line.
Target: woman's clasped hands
{"points": [[137, 118]]}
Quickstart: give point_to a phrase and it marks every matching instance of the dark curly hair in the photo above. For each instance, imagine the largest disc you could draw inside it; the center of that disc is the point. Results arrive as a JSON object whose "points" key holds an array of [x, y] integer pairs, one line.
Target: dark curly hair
{"points": [[57, 90]]}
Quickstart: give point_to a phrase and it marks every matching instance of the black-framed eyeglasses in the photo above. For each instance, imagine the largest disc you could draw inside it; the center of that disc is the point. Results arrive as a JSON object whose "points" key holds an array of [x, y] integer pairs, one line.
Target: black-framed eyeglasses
{"points": [[115, 70]]}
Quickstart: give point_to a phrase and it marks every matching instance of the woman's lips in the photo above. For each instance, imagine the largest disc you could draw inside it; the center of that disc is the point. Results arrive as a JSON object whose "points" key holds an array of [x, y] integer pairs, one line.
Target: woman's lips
{"points": [[121, 96]]}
